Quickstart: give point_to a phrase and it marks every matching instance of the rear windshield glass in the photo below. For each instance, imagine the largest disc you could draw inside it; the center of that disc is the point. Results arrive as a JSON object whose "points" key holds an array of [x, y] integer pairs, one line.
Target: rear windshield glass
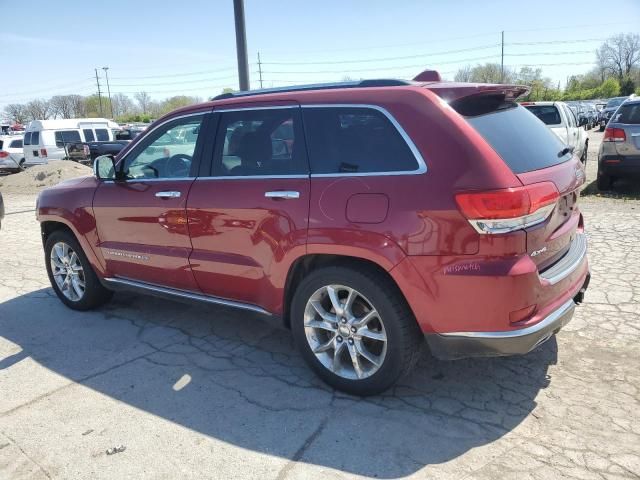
{"points": [[614, 102], [629, 114], [547, 113], [88, 135], [35, 138], [523, 142], [27, 138]]}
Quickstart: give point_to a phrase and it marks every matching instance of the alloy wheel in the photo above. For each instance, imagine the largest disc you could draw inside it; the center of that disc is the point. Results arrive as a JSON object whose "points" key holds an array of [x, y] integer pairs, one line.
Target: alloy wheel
{"points": [[67, 271], [345, 332]]}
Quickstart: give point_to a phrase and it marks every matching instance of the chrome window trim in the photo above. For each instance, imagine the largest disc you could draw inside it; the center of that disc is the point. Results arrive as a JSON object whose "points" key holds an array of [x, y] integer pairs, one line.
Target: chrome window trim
{"points": [[168, 120], [174, 292], [254, 177], [143, 180], [422, 166]]}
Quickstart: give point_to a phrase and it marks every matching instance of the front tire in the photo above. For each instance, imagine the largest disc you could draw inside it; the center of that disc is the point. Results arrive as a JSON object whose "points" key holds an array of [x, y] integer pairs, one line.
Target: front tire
{"points": [[354, 329], [71, 275]]}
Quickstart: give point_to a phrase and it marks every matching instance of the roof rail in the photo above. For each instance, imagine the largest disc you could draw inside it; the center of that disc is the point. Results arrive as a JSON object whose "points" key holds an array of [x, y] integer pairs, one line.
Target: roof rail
{"points": [[317, 86]]}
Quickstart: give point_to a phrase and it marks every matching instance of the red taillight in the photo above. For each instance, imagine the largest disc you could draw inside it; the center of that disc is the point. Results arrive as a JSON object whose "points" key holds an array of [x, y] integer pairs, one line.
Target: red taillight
{"points": [[507, 203], [614, 135], [43, 152], [527, 103], [4, 154]]}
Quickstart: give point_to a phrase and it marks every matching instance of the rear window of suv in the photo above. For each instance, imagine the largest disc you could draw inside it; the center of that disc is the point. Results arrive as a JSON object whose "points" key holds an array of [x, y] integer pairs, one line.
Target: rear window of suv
{"points": [[628, 114], [523, 142], [547, 113]]}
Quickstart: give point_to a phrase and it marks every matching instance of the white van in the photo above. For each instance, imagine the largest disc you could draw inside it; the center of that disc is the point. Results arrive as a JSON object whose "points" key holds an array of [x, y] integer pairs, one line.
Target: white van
{"points": [[45, 140]]}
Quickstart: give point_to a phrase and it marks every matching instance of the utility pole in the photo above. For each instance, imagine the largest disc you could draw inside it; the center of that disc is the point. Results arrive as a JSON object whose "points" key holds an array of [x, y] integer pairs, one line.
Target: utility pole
{"points": [[241, 44], [502, 59], [260, 69], [99, 93], [108, 89]]}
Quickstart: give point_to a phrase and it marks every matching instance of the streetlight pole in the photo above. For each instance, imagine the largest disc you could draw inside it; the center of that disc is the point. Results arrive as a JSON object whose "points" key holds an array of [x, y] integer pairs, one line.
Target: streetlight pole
{"points": [[108, 89], [241, 44]]}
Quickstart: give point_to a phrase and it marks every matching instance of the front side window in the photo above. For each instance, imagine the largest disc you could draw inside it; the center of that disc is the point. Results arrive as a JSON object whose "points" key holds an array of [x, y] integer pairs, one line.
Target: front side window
{"points": [[66, 136], [102, 134], [88, 135], [343, 140], [260, 142], [167, 152]]}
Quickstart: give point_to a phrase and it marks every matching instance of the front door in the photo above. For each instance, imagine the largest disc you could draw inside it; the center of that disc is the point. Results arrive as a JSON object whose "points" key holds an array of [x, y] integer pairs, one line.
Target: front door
{"points": [[248, 220], [142, 221]]}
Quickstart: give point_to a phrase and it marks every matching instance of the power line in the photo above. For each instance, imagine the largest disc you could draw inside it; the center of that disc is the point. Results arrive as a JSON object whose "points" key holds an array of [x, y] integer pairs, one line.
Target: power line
{"points": [[202, 72], [179, 82]]}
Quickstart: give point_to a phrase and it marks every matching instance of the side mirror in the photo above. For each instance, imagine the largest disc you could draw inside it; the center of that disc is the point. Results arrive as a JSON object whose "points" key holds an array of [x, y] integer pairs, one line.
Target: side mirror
{"points": [[104, 167], [582, 122]]}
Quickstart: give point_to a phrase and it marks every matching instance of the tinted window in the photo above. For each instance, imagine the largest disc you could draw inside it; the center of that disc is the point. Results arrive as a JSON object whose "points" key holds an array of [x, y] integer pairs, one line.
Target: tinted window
{"points": [[355, 140], [16, 144], [547, 113], [614, 102], [88, 135], [260, 142], [523, 142], [27, 138], [102, 135], [628, 114], [35, 138], [66, 136], [167, 152]]}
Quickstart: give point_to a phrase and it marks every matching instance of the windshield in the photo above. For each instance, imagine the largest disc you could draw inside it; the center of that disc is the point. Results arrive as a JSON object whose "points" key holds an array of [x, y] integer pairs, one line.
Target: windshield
{"points": [[614, 102]]}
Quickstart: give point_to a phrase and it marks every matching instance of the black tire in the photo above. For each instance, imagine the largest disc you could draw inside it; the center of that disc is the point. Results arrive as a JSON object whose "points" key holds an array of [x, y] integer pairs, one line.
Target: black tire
{"points": [[604, 181], [403, 336], [583, 158], [601, 129], [95, 294]]}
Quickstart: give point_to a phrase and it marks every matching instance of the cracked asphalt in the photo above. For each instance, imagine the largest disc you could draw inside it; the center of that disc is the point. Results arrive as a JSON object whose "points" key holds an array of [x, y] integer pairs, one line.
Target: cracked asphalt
{"points": [[202, 392]]}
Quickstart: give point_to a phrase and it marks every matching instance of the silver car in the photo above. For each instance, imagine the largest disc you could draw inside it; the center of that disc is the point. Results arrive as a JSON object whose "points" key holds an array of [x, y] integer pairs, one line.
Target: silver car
{"points": [[619, 154]]}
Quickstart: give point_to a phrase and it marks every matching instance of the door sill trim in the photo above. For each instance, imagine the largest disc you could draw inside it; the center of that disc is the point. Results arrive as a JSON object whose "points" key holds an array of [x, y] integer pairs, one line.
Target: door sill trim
{"points": [[150, 288]]}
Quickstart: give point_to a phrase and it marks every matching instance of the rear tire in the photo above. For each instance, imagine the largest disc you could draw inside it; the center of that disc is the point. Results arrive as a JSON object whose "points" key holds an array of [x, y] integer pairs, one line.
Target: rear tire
{"points": [[601, 129], [71, 275], [604, 181], [372, 355], [583, 158]]}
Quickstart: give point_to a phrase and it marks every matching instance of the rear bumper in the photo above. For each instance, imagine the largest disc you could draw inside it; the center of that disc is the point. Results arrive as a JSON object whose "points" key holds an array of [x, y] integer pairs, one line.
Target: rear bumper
{"points": [[619, 165]]}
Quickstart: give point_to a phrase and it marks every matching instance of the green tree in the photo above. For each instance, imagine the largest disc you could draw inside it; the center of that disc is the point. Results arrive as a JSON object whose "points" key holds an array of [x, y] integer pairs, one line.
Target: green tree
{"points": [[627, 86]]}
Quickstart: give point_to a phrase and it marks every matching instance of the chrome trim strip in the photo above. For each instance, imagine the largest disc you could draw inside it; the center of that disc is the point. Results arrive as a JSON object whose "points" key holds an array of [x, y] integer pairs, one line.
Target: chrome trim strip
{"points": [[282, 194], [143, 180], [523, 332], [539, 216], [569, 262], [185, 294], [251, 177], [241, 109], [422, 166]]}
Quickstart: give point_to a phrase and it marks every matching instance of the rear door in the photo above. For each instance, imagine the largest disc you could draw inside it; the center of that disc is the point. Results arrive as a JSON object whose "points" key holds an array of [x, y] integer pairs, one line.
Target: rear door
{"points": [[534, 158], [142, 221], [248, 214], [627, 117]]}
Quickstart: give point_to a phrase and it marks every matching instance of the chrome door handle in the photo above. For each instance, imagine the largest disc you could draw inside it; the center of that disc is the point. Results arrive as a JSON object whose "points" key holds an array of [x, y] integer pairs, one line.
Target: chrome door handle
{"points": [[285, 194], [168, 194]]}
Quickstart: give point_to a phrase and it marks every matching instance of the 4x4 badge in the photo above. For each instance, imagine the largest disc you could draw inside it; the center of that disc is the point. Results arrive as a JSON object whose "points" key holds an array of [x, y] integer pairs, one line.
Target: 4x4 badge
{"points": [[535, 253]]}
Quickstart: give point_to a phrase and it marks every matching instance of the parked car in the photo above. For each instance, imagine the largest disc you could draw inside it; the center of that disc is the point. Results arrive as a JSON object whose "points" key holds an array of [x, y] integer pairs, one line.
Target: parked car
{"points": [[87, 152], [611, 106], [407, 211], [561, 120], [46, 140], [1, 210], [619, 154], [592, 115], [581, 113], [11, 155]]}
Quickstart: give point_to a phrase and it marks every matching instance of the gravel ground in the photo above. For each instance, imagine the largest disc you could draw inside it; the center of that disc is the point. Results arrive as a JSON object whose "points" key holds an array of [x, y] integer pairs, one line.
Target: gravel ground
{"points": [[195, 392], [34, 179]]}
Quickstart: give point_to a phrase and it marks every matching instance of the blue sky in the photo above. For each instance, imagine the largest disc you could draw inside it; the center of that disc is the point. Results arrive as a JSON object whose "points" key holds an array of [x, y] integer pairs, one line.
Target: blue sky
{"points": [[169, 48]]}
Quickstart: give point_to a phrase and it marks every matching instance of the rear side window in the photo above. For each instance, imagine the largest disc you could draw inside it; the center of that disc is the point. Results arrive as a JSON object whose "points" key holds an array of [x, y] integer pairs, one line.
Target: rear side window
{"points": [[260, 142], [16, 144], [27, 138], [628, 114], [549, 114], [102, 135], [66, 136], [88, 135], [342, 140], [523, 142], [35, 138]]}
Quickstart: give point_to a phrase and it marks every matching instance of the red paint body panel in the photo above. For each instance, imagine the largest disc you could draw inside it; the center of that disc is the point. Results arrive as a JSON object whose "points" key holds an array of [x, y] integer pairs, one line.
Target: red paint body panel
{"points": [[244, 243]]}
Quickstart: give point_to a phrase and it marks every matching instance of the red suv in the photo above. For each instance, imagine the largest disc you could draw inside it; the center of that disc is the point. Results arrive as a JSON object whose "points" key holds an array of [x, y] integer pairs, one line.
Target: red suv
{"points": [[364, 216]]}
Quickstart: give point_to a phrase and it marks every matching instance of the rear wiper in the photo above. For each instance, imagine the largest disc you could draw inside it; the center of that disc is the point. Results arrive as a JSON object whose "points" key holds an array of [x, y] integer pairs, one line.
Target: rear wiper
{"points": [[564, 151]]}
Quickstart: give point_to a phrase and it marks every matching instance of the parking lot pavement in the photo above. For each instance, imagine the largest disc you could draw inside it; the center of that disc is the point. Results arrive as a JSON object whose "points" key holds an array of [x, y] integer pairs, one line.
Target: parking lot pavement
{"points": [[195, 392]]}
